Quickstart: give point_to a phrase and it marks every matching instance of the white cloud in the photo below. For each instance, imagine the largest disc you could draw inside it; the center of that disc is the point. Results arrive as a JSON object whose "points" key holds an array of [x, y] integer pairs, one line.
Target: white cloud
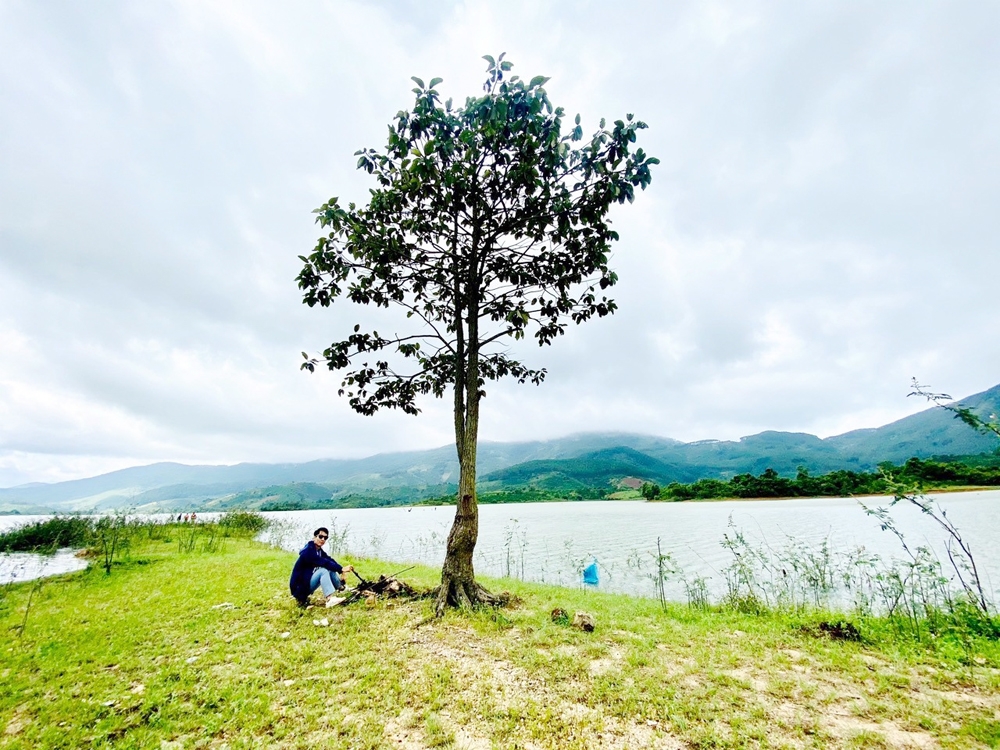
{"points": [[821, 227]]}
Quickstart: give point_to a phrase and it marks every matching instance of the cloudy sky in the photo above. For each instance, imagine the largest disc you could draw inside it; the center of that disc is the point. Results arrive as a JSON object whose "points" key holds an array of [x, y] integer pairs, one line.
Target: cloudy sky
{"points": [[822, 227]]}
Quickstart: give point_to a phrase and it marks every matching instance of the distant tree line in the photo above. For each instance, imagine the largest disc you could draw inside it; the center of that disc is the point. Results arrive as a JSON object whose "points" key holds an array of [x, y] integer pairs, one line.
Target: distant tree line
{"points": [[922, 474], [344, 502], [525, 495]]}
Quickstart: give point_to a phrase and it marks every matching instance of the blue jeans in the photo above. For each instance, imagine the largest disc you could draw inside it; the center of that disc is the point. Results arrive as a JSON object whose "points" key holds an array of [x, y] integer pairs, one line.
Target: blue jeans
{"points": [[329, 580]]}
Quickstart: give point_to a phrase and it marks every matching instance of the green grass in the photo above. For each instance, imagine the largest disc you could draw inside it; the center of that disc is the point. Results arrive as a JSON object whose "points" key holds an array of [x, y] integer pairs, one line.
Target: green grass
{"points": [[207, 649]]}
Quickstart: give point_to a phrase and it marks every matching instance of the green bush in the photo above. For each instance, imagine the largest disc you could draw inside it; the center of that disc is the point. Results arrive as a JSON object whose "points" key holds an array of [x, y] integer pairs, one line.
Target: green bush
{"points": [[243, 522], [51, 534]]}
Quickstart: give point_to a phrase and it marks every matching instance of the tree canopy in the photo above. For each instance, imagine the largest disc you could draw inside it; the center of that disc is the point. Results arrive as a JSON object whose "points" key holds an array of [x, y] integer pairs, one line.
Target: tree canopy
{"points": [[486, 208]]}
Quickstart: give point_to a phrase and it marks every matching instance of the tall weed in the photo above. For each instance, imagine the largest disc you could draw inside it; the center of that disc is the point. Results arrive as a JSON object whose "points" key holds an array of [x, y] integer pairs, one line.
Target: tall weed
{"points": [[515, 547], [242, 523], [112, 536], [660, 567], [50, 534]]}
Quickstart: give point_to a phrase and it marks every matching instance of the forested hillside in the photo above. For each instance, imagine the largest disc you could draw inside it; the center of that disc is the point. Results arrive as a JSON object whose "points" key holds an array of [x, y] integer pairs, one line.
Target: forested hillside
{"points": [[581, 464]]}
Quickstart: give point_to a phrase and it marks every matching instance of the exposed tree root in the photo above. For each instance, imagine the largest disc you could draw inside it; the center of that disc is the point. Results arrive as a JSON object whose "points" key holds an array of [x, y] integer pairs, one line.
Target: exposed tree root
{"points": [[454, 592]]}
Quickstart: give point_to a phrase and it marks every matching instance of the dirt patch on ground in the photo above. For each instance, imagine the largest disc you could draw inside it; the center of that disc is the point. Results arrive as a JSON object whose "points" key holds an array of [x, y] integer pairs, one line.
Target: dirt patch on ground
{"points": [[842, 725], [608, 663], [805, 701], [497, 685]]}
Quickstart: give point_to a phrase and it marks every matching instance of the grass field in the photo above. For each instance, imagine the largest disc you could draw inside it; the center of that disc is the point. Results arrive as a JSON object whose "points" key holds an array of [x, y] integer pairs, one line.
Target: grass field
{"points": [[206, 649]]}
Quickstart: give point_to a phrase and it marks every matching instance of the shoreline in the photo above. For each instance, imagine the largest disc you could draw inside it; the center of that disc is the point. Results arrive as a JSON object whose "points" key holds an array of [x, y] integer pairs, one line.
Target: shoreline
{"points": [[929, 491], [211, 509]]}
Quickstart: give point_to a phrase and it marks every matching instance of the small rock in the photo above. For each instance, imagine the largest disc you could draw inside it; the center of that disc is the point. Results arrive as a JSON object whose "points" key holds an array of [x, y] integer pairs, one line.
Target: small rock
{"points": [[224, 605], [108, 704], [584, 621], [191, 659], [286, 634], [288, 683], [652, 723], [137, 688], [324, 623]]}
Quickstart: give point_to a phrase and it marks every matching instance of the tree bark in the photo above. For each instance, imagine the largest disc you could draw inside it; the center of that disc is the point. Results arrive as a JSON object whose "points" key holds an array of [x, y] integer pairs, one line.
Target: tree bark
{"points": [[458, 578]]}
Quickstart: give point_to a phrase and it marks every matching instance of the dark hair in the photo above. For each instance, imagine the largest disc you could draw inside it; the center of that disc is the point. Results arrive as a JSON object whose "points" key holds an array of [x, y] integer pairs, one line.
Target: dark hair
{"points": [[321, 528]]}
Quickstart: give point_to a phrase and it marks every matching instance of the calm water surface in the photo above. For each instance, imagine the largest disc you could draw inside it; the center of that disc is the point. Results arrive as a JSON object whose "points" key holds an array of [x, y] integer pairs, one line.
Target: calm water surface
{"points": [[551, 542]]}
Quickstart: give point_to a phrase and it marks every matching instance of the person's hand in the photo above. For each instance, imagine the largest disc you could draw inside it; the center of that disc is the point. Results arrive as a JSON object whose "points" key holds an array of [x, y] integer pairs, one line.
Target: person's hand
{"points": [[348, 568]]}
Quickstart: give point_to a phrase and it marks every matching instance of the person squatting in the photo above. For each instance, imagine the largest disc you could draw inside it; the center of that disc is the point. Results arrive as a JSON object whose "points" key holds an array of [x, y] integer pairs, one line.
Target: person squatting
{"points": [[314, 569]]}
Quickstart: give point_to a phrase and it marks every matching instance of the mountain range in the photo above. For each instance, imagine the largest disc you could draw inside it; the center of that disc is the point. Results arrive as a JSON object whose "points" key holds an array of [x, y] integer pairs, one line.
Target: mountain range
{"points": [[584, 460]]}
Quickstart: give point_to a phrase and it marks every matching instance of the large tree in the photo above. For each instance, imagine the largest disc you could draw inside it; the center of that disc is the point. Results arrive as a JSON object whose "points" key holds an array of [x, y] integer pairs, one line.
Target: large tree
{"points": [[488, 223]]}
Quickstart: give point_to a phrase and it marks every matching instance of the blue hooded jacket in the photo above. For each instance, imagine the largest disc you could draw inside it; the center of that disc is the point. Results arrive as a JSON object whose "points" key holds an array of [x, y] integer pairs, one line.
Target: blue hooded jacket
{"points": [[310, 558]]}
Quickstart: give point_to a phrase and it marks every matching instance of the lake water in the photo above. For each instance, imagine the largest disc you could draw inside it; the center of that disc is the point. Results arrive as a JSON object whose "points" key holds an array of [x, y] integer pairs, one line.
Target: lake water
{"points": [[551, 542], [24, 566]]}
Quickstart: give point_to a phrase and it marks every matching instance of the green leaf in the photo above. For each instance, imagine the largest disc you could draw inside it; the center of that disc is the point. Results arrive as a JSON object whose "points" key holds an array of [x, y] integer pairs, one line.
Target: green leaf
{"points": [[417, 81], [435, 82], [538, 81], [490, 60]]}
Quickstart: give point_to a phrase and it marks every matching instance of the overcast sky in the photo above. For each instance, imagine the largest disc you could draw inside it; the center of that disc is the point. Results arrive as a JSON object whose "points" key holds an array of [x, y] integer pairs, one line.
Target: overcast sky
{"points": [[822, 227]]}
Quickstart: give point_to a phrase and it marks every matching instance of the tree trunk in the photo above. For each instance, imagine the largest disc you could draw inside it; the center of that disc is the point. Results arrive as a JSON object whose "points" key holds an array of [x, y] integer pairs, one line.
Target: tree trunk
{"points": [[458, 577]]}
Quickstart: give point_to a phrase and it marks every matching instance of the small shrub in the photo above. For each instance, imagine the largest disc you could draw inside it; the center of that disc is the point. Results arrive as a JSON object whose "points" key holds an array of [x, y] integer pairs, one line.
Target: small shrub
{"points": [[213, 539], [696, 589], [112, 536], [243, 522], [48, 535]]}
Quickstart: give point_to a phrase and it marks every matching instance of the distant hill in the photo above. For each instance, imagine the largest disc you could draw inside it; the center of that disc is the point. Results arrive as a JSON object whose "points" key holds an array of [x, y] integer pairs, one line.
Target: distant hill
{"points": [[409, 475], [596, 469], [562, 465], [782, 451], [934, 432]]}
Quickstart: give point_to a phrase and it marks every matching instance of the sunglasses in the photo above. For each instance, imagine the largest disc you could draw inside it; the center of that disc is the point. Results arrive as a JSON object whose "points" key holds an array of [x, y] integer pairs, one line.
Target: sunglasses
{"points": [[322, 536]]}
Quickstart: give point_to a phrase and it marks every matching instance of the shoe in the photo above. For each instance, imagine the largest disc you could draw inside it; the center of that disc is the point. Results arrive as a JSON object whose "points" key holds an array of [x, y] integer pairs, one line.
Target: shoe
{"points": [[333, 601]]}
